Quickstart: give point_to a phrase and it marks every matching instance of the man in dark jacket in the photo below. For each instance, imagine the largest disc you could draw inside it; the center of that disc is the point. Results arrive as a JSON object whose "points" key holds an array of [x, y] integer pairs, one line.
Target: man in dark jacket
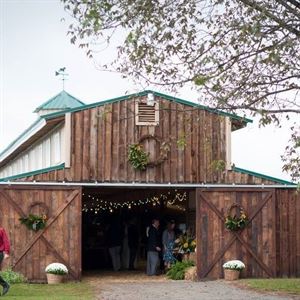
{"points": [[153, 247]]}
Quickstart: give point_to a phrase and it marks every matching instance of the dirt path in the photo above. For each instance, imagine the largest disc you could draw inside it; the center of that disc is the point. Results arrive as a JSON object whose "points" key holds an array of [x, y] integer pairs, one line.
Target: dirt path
{"points": [[138, 286]]}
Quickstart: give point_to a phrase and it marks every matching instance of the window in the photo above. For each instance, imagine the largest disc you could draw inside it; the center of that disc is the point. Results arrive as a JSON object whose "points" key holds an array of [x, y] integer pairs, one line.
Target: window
{"points": [[46, 153], [40, 156], [55, 148], [147, 113]]}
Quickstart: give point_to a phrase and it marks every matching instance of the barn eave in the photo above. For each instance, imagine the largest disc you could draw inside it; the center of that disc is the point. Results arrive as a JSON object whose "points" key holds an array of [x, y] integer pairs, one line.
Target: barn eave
{"points": [[237, 121]]}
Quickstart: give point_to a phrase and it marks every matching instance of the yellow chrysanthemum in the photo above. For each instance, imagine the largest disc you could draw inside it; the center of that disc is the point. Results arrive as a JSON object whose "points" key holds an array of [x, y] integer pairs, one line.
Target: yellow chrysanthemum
{"points": [[185, 245]]}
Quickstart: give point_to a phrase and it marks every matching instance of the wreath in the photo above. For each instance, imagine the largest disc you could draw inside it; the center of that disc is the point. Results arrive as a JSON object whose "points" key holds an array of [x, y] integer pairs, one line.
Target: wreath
{"points": [[34, 222], [140, 159], [236, 222]]}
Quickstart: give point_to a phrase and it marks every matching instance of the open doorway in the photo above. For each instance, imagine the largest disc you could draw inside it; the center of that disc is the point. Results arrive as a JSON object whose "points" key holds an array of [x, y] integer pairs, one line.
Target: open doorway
{"points": [[103, 208]]}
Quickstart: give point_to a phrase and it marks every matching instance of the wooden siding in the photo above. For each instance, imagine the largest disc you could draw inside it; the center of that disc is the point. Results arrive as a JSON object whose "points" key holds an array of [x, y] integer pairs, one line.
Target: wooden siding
{"points": [[101, 136], [60, 241], [269, 246]]}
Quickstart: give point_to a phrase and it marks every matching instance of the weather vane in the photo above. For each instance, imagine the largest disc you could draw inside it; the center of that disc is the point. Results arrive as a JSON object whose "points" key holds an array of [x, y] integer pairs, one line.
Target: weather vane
{"points": [[63, 75]]}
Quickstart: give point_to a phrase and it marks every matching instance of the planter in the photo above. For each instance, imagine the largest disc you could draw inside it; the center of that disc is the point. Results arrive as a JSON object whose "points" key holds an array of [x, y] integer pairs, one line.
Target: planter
{"points": [[231, 274], [189, 256], [185, 256], [193, 257], [54, 279]]}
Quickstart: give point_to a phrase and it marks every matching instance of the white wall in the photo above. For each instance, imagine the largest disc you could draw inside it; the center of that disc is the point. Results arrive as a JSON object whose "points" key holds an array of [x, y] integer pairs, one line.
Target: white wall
{"points": [[46, 152]]}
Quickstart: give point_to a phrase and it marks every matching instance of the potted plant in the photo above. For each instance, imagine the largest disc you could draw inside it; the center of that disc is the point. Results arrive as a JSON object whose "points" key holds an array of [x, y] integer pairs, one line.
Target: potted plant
{"points": [[232, 269], [186, 245], [34, 222], [55, 273]]}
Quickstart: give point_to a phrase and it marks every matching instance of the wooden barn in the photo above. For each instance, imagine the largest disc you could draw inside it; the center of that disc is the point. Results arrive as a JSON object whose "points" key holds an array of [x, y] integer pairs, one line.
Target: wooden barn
{"points": [[140, 155]]}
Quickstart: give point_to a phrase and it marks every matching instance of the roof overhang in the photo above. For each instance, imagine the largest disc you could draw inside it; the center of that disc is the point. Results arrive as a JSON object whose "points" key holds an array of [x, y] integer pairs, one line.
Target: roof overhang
{"points": [[237, 121], [150, 185]]}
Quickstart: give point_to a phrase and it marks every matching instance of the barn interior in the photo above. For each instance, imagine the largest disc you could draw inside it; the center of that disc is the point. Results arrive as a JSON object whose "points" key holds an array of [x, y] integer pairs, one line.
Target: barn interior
{"points": [[102, 207]]}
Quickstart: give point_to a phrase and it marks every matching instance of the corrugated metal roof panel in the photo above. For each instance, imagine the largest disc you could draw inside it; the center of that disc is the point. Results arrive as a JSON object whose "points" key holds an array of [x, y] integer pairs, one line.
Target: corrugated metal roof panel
{"points": [[61, 101]]}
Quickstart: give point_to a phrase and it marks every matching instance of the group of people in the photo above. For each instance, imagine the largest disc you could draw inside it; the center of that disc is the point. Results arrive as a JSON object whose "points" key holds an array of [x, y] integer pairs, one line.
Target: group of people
{"points": [[160, 246], [125, 237], [121, 237]]}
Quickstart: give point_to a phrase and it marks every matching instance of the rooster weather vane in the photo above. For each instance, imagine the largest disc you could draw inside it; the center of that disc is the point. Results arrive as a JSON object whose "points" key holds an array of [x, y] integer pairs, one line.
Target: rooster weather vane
{"points": [[63, 75]]}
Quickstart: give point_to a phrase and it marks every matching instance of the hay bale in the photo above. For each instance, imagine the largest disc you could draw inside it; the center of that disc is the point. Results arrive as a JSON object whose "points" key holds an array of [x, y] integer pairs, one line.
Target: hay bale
{"points": [[191, 274]]}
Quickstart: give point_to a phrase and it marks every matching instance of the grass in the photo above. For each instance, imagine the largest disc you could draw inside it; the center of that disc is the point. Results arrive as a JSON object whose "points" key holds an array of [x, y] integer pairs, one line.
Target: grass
{"points": [[286, 285], [67, 291]]}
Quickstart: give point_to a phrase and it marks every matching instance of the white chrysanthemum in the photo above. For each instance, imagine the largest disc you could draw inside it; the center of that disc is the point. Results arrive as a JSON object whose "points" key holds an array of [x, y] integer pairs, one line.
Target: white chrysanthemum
{"points": [[56, 268], [234, 265]]}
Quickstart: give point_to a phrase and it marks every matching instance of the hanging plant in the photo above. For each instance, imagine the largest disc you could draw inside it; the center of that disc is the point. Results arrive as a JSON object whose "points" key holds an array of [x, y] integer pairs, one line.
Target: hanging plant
{"points": [[138, 157], [236, 222], [34, 222]]}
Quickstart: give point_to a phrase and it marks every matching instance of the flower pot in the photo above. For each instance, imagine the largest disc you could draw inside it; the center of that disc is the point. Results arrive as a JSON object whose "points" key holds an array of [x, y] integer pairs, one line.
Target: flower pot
{"points": [[231, 274], [185, 256], [54, 279]]}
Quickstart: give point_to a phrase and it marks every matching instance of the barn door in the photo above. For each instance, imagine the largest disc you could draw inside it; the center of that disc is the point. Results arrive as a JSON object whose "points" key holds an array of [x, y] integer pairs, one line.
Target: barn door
{"points": [[254, 245], [60, 241]]}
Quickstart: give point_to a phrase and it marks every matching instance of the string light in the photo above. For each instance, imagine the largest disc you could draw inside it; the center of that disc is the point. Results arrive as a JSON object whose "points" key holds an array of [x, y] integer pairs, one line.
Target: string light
{"points": [[98, 204]]}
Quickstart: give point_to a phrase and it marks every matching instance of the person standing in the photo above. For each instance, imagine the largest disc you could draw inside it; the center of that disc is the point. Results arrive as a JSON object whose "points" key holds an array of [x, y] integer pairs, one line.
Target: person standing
{"points": [[133, 242], [4, 254], [115, 238], [168, 239], [153, 248]]}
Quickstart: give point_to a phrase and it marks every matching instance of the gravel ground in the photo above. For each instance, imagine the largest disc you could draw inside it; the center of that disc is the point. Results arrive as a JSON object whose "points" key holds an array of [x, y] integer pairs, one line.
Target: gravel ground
{"points": [[139, 287]]}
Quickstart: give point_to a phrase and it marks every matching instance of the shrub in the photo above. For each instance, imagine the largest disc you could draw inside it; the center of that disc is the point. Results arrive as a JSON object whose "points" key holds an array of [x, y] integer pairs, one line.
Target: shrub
{"points": [[12, 277], [178, 269]]}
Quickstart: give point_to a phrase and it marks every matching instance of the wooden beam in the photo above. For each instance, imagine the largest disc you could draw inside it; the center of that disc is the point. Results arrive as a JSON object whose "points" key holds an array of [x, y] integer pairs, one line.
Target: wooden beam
{"points": [[69, 199]]}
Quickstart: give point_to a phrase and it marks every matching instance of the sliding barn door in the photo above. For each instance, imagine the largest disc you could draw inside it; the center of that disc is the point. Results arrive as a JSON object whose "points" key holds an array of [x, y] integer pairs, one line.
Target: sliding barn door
{"points": [[60, 241], [255, 245]]}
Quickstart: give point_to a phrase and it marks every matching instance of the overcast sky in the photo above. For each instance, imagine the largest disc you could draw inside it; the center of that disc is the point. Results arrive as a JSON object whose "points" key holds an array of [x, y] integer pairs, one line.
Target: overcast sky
{"points": [[33, 45]]}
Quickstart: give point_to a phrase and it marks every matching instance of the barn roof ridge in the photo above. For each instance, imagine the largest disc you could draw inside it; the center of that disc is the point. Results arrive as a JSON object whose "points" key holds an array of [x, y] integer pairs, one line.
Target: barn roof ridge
{"points": [[144, 93]]}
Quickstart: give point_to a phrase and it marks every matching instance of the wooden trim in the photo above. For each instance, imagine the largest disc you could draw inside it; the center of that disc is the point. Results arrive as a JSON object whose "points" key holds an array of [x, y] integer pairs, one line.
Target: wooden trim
{"points": [[261, 205], [198, 232], [13, 203], [59, 257], [228, 142], [39, 187], [67, 140], [212, 207], [237, 189], [270, 271], [69, 199], [248, 248], [218, 256]]}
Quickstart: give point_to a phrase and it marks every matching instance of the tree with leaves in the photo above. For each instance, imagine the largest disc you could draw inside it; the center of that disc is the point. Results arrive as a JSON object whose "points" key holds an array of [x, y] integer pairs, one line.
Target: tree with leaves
{"points": [[240, 55]]}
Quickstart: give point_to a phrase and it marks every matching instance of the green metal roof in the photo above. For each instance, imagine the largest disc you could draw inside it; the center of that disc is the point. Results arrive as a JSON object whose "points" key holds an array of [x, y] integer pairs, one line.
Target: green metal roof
{"points": [[32, 173], [61, 101], [263, 176], [144, 93]]}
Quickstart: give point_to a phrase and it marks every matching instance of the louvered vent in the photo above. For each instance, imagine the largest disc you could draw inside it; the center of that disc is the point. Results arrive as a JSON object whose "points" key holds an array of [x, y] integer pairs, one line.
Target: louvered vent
{"points": [[147, 114]]}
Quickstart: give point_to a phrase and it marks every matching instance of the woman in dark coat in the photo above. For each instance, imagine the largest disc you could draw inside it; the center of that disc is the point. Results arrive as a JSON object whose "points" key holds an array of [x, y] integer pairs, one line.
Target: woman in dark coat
{"points": [[4, 253]]}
